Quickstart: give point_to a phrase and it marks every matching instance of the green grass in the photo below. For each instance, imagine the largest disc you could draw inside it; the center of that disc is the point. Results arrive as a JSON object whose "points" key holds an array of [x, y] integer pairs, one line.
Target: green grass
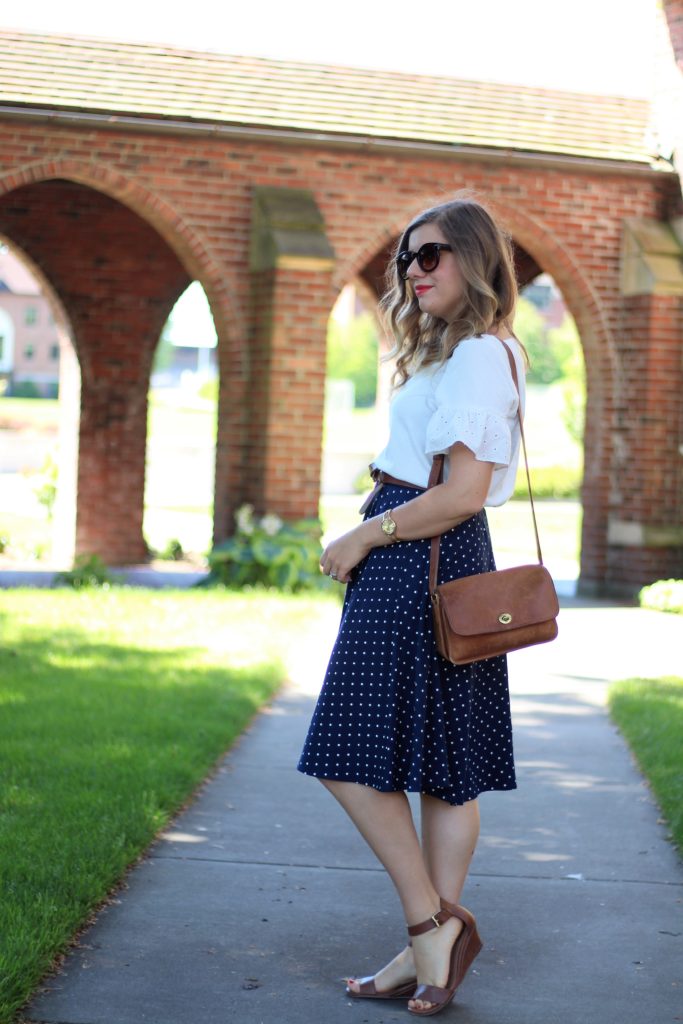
{"points": [[28, 536], [29, 413], [186, 423], [115, 705], [649, 712]]}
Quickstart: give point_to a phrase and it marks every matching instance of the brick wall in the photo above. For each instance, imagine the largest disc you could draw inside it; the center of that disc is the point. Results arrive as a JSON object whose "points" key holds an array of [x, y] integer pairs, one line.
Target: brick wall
{"points": [[673, 10], [140, 215]]}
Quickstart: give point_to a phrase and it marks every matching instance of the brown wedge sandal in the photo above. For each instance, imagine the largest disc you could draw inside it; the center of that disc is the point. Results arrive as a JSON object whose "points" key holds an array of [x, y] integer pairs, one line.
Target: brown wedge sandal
{"points": [[465, 949], [368, 989]]}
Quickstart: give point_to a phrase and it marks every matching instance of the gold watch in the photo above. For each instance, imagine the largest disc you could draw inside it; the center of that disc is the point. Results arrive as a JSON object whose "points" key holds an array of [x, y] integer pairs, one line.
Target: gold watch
{"points": [[389, 526]]}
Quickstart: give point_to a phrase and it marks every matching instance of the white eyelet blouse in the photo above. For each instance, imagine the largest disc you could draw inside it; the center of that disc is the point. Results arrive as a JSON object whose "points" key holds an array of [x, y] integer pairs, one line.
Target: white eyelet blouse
{"points": [[471, 399]]}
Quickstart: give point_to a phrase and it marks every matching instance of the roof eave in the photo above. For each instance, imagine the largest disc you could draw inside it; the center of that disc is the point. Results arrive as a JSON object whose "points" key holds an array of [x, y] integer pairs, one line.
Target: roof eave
{"points": [[65, 117]]}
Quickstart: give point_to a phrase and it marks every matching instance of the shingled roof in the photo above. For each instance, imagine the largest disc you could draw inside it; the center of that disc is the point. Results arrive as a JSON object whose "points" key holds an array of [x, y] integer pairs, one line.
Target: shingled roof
{"points": [[65, 73]]}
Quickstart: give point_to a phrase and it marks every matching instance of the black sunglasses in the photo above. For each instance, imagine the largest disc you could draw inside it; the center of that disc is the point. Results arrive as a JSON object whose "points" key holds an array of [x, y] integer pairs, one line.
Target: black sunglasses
{"points": [[427, 256]]}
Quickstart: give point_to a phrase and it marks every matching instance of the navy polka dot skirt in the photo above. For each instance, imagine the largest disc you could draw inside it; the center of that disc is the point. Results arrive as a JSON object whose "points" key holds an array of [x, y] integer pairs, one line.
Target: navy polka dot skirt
{"points": [[392, 713]]}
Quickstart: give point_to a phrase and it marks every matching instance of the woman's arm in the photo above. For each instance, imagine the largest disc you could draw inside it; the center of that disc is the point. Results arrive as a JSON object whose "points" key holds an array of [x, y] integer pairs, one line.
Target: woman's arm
{"points": [[431, 513], [442, 507]]}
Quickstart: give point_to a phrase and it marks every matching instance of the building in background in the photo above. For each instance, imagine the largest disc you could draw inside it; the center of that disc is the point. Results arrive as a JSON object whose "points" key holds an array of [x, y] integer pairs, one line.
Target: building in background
{"points": [[29, 339], [544, 294], [187, 356]]}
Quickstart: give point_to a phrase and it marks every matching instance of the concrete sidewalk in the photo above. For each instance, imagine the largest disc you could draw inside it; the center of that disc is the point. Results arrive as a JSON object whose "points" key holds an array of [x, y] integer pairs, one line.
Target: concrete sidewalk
{"points": [[261, 897]]}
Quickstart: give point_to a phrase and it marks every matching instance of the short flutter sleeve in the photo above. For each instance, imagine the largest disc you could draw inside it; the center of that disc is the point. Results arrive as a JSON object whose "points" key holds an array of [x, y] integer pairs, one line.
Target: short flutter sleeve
{"points": [[476, 402]]}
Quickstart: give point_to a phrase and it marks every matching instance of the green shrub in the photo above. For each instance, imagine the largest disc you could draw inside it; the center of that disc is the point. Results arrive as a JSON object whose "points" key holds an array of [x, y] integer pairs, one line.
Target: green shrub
{"points": [[24, 389], [45, 486], [550, 482], [269, 552], [209, 389], [573, 382], [352, 354], [554, 353], [530, 328], [663, 596], [88, 571], [173, 552]]}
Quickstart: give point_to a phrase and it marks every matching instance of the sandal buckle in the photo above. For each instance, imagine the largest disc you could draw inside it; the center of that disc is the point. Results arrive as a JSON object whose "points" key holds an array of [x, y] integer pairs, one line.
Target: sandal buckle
{"points": [[437, 923]]}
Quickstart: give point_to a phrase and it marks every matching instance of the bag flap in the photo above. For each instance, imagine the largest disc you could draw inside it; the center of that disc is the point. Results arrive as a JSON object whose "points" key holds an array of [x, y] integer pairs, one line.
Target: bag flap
{"points": [[493, 602]]}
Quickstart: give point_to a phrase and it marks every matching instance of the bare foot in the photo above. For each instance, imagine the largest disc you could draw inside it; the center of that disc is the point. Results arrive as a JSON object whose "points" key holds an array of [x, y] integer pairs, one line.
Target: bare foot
{"points": [[398, 972], [432, 958]]}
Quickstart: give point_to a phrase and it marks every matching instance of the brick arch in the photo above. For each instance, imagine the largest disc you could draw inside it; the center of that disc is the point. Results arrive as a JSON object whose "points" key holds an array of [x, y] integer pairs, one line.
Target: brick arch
{"points": [[189, 247], [598, 343], [193, 252], [534, 236], [51, 294], [537, 238], [580, 297]]}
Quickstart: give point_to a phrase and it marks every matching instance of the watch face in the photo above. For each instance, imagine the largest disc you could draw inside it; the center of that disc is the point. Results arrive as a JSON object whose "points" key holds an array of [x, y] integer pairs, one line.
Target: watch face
{"points": [[388, 525]]}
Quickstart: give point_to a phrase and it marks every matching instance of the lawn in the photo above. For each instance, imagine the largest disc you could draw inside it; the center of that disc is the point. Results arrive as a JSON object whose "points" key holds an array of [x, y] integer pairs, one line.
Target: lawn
{"points": [[36, 414], [649, 712], [115, 705]]}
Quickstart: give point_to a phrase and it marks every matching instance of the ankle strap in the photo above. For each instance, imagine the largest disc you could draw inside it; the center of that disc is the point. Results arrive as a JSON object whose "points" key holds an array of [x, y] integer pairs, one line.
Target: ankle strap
{"points": [[435, 921]]}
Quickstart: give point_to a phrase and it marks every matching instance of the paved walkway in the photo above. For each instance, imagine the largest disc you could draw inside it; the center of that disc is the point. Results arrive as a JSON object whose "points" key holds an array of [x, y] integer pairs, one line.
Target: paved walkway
{"points": [[261, 896]]}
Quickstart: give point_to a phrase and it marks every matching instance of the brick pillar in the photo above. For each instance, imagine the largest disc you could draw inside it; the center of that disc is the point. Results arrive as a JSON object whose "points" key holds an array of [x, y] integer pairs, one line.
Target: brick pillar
{"points": [[595, 490], [290, 303], [645, 520], [645, 527]]}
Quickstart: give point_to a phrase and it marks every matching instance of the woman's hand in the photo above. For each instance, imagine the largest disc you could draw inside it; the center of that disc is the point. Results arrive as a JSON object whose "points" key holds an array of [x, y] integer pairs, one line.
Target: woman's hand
{"points": [[340, 557]]}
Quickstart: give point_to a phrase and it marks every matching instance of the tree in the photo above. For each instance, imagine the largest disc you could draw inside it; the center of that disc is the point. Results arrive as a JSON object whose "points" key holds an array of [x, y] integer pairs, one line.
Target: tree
{"points": [[352, 354], [530, 327], [163, 357], [567, 344]]}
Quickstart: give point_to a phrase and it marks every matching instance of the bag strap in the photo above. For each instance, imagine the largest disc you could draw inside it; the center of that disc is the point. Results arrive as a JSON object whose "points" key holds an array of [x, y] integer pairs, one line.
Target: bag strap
{"points": [[436, 475]]}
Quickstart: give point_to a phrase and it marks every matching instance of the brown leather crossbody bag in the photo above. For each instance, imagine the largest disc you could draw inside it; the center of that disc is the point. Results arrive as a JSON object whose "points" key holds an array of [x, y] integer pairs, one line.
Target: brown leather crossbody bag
{"points": [[492, 613]]}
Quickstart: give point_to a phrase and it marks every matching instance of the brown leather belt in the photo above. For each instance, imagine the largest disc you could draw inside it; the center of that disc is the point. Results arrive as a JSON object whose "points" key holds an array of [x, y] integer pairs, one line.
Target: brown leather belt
{"points": [[381, 478]]}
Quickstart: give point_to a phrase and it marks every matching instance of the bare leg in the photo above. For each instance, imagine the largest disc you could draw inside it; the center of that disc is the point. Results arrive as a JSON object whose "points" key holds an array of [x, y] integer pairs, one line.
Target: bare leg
{"points": [[449, 839], [386, 823]]}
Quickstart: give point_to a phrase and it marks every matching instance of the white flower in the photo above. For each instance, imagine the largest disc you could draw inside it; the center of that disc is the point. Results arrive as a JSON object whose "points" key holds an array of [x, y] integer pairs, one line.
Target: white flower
{"points": [[244, 517], [271, 524]]}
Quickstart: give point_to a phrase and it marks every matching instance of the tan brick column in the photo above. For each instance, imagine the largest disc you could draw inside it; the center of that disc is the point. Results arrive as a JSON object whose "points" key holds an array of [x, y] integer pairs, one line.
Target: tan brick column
{"points": [[645, 524], [291, 298]]}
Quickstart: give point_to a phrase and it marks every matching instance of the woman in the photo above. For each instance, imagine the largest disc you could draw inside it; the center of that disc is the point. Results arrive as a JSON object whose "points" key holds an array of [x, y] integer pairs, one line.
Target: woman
{"points": [[393, 715]]}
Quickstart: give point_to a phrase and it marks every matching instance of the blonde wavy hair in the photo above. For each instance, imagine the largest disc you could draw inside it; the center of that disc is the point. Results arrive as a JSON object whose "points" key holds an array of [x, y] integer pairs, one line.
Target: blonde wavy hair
{"points": [[484, 254]]}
